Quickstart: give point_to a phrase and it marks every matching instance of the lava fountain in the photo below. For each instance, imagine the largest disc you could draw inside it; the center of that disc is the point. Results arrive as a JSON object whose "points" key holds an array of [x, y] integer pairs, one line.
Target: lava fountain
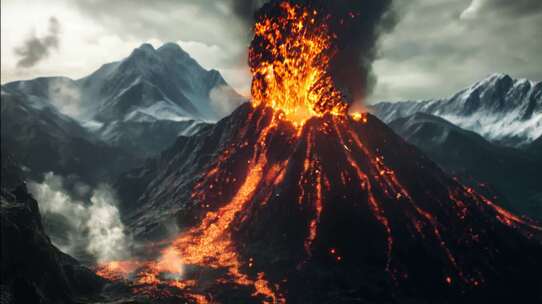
{"points": [[289, 60]]}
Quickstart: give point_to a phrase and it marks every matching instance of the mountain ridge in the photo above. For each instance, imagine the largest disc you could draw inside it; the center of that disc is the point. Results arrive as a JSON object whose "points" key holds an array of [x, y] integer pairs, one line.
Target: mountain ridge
{"points": [[500, 108], [511, 172], [160, 72], [141, 103]]}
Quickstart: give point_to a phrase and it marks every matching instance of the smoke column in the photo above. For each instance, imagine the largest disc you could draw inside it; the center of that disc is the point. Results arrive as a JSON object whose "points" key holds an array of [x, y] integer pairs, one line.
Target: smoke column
{"points": [[357, 25]]}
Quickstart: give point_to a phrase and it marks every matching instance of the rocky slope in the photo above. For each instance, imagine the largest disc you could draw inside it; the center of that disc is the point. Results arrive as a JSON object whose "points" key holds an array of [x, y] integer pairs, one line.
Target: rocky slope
{"points": [[500, 108], [43, 139], [146, 99], [32, 269], [339, 211], [512, 173]]}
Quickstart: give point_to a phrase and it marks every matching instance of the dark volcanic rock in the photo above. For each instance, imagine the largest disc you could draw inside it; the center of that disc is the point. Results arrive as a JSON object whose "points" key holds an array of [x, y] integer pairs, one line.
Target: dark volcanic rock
{"points": [[513, 173], [338, 212], [151, 195], [32, 269]]}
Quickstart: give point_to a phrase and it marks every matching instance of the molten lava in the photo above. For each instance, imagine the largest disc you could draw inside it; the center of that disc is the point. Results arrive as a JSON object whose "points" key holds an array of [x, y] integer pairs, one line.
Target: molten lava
{"points": [[302, 189], [289, 60]]}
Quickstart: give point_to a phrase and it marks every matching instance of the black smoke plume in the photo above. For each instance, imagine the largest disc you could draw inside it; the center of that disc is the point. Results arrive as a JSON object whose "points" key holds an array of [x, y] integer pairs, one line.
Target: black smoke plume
{"points": [[35, 48], [357, 24]]}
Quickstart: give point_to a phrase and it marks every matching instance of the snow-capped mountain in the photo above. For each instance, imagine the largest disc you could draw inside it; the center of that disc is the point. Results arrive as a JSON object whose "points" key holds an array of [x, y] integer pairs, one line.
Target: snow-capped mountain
{"points": [[142, 102], [511, 173], [166, 83], [499, 108], [167, 77]]}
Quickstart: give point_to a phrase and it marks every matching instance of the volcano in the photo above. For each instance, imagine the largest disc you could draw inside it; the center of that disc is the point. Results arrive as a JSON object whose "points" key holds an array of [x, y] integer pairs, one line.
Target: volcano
{"points": [[340, 209], [306, 203]]}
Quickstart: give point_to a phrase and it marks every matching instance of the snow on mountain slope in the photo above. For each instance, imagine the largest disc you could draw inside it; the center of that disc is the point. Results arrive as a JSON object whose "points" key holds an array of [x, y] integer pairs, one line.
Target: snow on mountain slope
{"points": [[167, 74], [511, 173], [499, 108], [146, 134], [154, 93], [147, 76], [42, 139]]}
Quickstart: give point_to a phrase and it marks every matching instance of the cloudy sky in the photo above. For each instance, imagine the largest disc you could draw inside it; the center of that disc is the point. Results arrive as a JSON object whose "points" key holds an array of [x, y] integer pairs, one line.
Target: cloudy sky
{"points": [[437, 48]]}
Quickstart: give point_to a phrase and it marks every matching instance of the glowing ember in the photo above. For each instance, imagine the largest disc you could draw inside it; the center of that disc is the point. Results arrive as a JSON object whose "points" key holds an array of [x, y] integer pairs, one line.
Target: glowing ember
{"points": [[117, 270], [289, 60]]}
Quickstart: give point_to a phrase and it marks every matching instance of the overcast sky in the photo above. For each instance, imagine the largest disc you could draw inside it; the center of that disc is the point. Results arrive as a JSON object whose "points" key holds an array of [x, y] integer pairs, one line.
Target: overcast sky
{"points": [[437, 48]]}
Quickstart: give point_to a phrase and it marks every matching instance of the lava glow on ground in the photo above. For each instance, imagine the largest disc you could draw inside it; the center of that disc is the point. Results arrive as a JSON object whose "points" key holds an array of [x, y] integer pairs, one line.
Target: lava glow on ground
{"points": [[289, 60]]}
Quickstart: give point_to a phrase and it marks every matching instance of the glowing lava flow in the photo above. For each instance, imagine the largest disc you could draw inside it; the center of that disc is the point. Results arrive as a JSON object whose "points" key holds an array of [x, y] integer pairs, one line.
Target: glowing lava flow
{"points": [[365, 182], [210, 243]]}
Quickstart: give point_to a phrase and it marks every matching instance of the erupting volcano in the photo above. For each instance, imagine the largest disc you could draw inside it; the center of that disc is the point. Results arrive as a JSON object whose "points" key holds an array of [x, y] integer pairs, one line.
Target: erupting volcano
{"points": [[306, 203]]}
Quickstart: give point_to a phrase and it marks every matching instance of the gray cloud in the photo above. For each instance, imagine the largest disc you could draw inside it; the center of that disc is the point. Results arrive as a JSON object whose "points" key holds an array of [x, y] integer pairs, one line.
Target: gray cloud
{"points": [[35, 48], [442, 46], [228, 23], [206, 21], [516, 8], [437, 48]]}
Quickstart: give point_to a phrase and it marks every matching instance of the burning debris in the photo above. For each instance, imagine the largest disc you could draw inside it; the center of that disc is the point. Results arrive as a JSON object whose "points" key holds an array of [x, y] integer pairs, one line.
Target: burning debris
{"points": [[289, 59], [308, 202]]}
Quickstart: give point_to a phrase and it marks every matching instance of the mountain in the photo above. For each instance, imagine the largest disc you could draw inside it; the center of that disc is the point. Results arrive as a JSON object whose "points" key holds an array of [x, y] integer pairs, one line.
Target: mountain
{"points": [[152, 190], [167, 75], [150, 94], [165, 83], [513, 173], [33, 270], [501, 109], [340, 210], [146, 133], [42, 139]]}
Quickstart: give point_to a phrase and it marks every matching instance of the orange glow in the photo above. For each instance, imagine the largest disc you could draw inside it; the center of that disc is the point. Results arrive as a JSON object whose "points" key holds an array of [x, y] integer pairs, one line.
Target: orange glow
{"points": [[117, 270], [365, 182], [289, 61], [318, 210], [209, 244], [360, 117]]}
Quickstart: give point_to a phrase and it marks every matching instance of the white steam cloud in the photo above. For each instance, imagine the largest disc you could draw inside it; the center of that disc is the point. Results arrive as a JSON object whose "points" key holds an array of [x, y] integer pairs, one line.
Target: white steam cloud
{"points": [[224, 100], [78, 227], [65, 95]]}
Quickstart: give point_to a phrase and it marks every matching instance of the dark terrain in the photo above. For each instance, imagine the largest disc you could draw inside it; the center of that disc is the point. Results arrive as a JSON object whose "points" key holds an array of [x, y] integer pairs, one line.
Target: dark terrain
{"points": [[394, 229]]}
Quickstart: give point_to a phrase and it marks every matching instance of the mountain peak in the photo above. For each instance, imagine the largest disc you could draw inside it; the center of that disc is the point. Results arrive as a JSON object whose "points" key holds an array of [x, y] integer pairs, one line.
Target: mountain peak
{"points": [[146, 47], [172, 49], [171, 46], [498, 76], [497, 80], [498, 107], [143, 52]]}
